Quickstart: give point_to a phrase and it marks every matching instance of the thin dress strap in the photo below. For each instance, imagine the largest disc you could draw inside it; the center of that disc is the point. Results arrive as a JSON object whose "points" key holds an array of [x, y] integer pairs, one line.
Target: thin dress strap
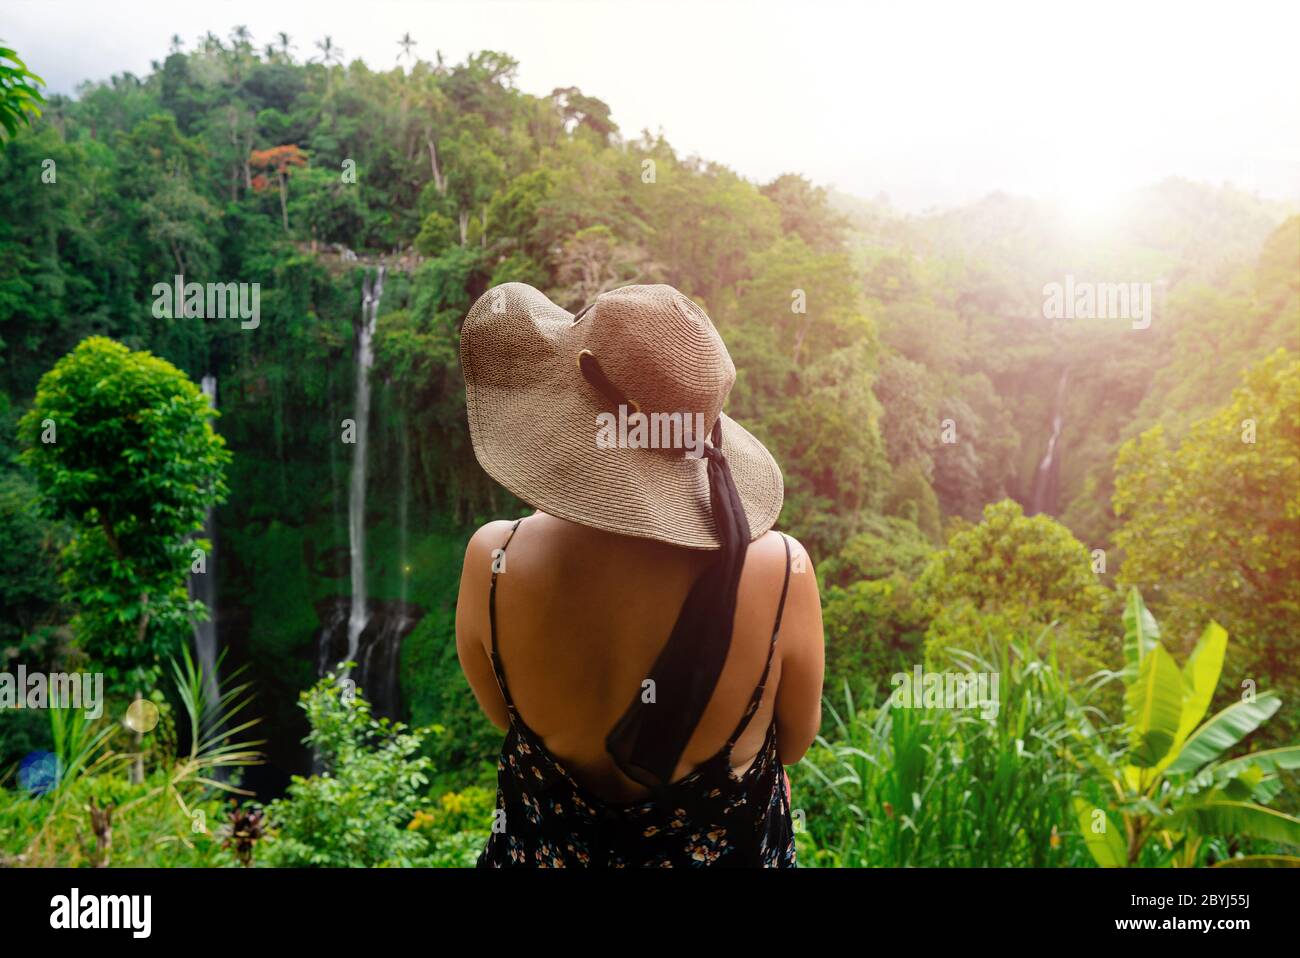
{"points": [[492, 617], [757, 697]]}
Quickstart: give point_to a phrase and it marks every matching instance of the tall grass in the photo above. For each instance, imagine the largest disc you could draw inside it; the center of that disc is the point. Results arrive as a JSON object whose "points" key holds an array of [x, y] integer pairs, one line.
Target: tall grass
{"points": [[894, 786]]}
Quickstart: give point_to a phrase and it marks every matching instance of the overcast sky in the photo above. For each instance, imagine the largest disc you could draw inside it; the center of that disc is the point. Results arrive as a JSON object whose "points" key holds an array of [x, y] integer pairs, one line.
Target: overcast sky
{"points": [[932, 103]]}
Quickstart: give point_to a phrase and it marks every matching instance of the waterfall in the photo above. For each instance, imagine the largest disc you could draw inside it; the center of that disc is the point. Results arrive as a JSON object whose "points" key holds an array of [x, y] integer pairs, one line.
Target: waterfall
{"points": [[371, 292], [403, 511], [1047, 480], [204, 588], [356, 628], [378, 655]]}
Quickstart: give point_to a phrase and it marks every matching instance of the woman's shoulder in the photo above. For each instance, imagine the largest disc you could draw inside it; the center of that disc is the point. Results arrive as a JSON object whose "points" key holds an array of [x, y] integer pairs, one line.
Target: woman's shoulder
{"points": [[767, 557], [491, 534], [482, 549], [767, 565], [772, 547]]}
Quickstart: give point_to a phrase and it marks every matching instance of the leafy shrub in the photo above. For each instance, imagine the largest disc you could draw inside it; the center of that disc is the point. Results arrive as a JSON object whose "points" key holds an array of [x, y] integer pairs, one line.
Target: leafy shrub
{"points": [[1014, 574], [355, 813], [872, 628], [464, 744], [457, 827], [886, 546]]}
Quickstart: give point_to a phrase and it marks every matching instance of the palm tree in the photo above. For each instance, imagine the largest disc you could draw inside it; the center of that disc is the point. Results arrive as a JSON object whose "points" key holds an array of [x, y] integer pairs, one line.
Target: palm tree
{"points": [[329, 53], [406, 43], [176, 43], [285, 45], [241, 49]]}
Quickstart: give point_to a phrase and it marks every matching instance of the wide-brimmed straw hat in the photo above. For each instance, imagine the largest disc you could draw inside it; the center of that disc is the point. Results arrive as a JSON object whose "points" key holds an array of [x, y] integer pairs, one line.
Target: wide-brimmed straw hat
{"points": [[538, 379]]}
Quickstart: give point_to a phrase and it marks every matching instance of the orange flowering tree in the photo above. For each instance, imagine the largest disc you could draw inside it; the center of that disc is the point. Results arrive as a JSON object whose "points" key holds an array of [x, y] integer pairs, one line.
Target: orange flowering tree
{"points": [[277, 160]]}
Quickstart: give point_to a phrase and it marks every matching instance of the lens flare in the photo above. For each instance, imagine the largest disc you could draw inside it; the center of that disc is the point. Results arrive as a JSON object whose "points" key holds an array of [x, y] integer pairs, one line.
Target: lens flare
{"points": [[141, 716]]}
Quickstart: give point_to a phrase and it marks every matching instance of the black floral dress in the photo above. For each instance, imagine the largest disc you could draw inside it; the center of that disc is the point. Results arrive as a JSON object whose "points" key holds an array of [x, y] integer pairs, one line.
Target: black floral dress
{"points": [[712, 817]]}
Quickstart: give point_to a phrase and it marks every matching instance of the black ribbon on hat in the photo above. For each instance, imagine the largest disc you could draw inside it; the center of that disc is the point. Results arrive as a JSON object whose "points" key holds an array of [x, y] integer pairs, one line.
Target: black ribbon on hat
{"points": [[648, 741]]}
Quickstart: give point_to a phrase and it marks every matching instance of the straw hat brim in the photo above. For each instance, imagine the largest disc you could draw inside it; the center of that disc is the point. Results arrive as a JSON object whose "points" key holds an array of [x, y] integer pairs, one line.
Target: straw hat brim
{"points": [[533, 424]]}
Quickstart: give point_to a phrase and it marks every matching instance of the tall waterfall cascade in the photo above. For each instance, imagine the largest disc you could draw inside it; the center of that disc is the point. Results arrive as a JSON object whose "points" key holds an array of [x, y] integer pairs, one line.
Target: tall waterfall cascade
{"points": [[372, 290], [1047, 480], [356, 627]]}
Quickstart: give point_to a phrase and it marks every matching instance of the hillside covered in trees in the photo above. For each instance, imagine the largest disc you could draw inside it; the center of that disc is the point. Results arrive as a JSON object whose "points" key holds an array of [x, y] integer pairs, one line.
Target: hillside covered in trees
{"points": [[966, 473]]}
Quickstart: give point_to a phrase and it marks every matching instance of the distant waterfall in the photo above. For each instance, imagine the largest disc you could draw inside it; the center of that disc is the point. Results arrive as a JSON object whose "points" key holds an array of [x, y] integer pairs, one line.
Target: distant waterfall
{"points": [[1047, 481], [355, 627], [204, 587], [403, 512], [372, 290]]}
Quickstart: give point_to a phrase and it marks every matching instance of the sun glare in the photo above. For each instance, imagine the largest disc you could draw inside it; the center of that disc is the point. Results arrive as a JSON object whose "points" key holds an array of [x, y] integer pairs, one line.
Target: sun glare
{"points": [[1091, 208]]}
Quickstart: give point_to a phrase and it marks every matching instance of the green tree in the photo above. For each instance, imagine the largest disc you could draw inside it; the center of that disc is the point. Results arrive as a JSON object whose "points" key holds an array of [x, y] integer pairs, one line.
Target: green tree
{"points": [[1213, 523], [806, 212], [1021, 573], [910, 427], [122, 449], [911, 498], [330, 210], [437, 234], [874, 628], [513, 214], [20, 96], [886, 545], [580, 111], [473, 173], [1014, 561], [28, 572]]}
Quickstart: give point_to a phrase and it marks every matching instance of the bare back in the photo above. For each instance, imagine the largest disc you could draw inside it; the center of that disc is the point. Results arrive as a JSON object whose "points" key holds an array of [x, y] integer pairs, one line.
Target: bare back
{"points": [[581, 617]]}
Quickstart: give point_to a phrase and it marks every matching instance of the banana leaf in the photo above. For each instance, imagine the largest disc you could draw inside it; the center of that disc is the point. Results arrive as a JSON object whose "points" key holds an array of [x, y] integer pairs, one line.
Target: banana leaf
{"points": [[1240, 819], [1108, 847], [1141, 634], [1224, 730], [1260, 861], [1153, 706]]}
